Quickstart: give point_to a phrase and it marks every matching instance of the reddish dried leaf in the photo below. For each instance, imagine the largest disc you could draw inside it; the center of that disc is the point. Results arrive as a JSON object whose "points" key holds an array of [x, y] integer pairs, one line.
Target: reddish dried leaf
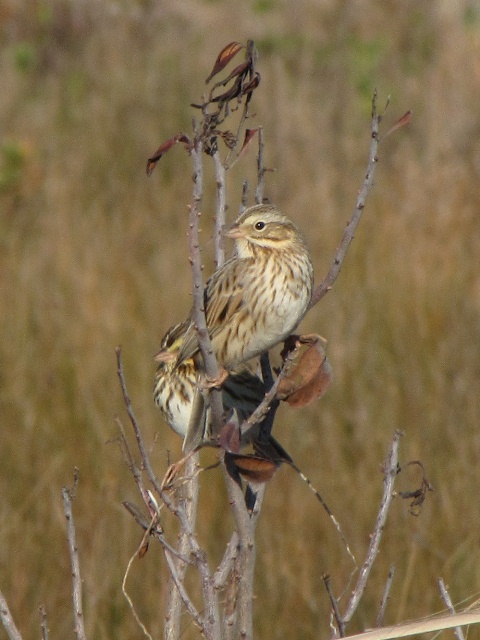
{"points": [[143, 550], [224, 57], [401, 122], [249, 135], [310, 377], [239, 70], [253, 84], [235, 90], [254, 468], [163, 148], [314, 389], [229, 438]]}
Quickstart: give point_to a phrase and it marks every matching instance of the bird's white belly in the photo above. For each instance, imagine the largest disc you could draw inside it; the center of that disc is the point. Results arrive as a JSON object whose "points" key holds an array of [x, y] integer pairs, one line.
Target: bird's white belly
{"points": [[282, 315]]}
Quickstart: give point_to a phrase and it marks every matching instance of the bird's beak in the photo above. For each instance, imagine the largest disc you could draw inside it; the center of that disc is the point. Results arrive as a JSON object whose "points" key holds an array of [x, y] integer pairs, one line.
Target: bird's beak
{"points": [[165, 356], [234, 232]]}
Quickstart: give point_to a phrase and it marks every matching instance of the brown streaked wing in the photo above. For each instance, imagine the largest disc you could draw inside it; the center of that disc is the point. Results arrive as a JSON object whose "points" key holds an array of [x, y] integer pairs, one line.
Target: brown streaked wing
{"points": [[224, 299]]}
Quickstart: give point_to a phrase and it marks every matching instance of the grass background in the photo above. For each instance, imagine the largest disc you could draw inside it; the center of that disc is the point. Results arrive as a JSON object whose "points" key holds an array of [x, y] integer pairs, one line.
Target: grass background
{"points": [[93, 255]]}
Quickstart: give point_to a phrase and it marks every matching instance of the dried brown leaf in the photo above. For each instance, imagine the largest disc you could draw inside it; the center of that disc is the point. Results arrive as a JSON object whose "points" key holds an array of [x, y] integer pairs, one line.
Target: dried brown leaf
{"points": [[163, 148], [253, 468], [249, 135], [253, 84], [224, 57], [240, 70], [229, 437], [233, 92], [419, 495], [310, 377], [404, 121], [143, 549]]}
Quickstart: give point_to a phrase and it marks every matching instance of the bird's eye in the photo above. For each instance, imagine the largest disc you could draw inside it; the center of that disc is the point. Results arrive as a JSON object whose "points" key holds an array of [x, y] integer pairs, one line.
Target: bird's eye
{"points": [[259, 225]]}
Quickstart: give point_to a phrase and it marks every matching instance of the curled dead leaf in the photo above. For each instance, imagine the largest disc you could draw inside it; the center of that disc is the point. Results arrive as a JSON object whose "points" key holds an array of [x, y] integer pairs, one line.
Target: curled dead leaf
{"points": [[401, 122], [253, 468], [163, 148], [310, 377], [418, 495], [143, 549], [253, 84], [249, 135], [240, 70], [224, 57], [229, 437]]}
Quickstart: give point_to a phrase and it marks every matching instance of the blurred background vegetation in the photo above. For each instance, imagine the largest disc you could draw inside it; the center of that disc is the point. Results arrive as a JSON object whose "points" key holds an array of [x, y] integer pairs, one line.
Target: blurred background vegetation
{"points": [[93, 255]]}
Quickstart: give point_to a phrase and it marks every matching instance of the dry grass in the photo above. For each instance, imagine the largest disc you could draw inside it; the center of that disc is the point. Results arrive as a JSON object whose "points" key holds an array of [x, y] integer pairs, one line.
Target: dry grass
{"points": [[90, 249]]}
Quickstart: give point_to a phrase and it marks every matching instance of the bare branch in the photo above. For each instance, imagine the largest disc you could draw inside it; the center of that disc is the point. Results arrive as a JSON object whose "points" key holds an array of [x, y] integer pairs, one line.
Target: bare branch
{"points": [[211, 620], [8, 624], [348, 235], [136, 429], [128, 457], [334, 603], [204, 342], [221, 208], [244, 199], [43, 623], [177, 577], [224, 568], [254, 78], [68, 496], [211, 626], [260, 169], [448, 603], [269, 403], [245, 559], [177, 568], [329, 512], [390, 472], [124, 583], [385, 597]]}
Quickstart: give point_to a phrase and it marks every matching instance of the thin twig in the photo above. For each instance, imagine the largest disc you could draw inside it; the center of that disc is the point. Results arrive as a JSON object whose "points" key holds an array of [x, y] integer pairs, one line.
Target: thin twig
{"points": [[178, 580], [203, 336], [390, 472], [211, 625], [224, 568], [136, 428], [129, 459], [6, 617], [458, 632], [245, 558], [334, 603], [385, 597], [268, 403], [43, 622], [124, 583], [178, 569], [176, 510], [200, 560], [260, 169], [329, 512], [244, 199], [348, 235], [233, 154], [220, 210], [68, 496]]}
